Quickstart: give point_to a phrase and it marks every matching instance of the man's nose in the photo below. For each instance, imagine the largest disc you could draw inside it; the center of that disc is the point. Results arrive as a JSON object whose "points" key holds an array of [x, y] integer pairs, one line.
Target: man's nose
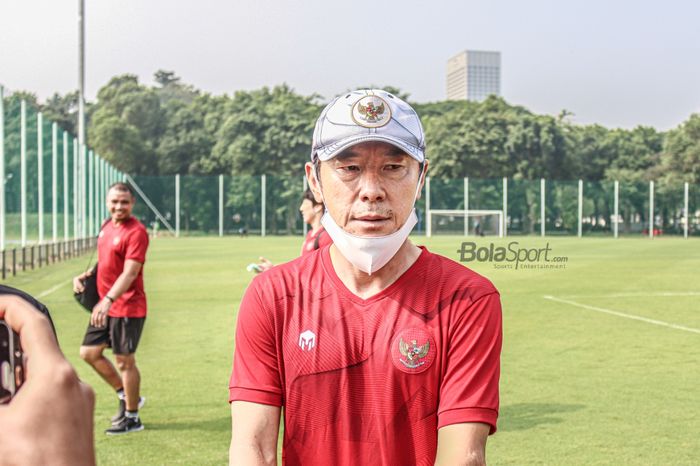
{"points": [[371, 187]]}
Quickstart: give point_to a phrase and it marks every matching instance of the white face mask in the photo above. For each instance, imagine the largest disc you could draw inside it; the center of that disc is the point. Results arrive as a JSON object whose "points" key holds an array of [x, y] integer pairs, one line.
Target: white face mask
{"points": [[370, 254]]}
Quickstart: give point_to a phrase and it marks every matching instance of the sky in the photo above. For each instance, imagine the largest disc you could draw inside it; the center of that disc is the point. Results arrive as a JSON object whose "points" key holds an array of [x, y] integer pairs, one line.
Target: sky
{"points": [[615, 63]]}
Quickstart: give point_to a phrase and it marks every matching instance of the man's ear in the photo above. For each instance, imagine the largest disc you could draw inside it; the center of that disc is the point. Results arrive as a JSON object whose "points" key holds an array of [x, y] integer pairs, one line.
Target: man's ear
{"points": [[314, 183], [421, 179]]}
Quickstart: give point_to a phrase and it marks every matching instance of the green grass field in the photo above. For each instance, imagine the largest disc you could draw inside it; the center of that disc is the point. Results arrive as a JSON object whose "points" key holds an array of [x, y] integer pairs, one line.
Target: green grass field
{"points": [[590, 375]]}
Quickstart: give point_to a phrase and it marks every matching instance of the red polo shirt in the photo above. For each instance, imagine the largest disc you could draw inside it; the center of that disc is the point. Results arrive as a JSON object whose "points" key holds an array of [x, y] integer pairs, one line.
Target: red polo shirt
{"points": [[116, 244], [369, 381]]}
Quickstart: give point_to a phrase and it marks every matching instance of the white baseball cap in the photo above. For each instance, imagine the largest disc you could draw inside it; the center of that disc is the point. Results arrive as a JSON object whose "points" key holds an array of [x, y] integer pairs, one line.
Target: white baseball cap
{"points": [[367, 115]]}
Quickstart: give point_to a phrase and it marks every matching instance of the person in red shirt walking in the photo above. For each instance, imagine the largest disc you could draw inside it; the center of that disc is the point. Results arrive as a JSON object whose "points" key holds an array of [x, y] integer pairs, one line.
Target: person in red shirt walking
{"points": [[117, 320], [312, 211], [316, 238], [380, 351]]}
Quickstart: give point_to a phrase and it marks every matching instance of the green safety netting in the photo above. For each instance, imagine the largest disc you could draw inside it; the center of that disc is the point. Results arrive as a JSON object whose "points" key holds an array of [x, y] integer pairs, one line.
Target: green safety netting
{"points": [[50, 176]]}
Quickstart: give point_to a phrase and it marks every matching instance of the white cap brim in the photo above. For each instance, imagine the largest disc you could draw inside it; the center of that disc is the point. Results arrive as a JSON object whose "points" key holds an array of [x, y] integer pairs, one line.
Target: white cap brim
{"points": [[328, 152]]}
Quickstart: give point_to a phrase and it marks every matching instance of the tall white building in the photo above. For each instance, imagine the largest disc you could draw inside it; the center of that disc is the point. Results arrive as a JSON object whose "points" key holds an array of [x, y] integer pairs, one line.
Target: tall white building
{"points": [[473, 75]]}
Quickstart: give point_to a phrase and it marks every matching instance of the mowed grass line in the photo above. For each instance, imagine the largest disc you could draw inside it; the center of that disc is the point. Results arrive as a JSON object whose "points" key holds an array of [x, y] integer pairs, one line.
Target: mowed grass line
{"points": [[577, 387]]}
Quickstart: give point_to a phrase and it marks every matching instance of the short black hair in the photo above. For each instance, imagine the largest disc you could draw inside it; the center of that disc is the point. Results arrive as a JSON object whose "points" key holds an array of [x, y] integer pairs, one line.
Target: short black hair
{"points": [[122, 187], [308, 194]]}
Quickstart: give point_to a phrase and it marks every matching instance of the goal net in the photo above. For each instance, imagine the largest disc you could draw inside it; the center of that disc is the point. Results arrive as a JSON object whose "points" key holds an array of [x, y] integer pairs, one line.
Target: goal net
{"points": [[467, 223]]}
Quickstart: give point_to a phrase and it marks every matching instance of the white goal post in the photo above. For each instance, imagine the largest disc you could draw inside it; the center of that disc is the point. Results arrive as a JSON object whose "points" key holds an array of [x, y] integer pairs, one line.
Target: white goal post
{"points": [[465, 213]]}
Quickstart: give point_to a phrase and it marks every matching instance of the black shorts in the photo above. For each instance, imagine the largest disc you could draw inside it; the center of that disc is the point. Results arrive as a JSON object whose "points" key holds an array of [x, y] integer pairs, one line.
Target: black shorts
{"points": [[122, 334]]}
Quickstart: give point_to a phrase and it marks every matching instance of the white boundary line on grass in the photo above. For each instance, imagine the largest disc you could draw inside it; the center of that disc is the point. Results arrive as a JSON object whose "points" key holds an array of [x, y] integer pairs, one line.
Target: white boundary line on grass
{"points": [[52, 289], [637, 294], [622, 314]]}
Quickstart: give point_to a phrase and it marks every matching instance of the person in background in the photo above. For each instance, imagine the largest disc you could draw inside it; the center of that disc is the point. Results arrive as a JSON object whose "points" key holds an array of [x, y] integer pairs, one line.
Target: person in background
{"points": [[316, 238], [117, 320]]}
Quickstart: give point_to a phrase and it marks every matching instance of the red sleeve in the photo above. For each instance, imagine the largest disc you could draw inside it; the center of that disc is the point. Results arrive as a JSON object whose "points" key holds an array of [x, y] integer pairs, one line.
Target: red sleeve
{"points": [[255, 376], [469, 390], [137, 245]]}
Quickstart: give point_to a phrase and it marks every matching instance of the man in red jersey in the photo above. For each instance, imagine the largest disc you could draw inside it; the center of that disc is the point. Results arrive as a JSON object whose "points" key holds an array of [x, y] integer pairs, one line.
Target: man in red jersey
{"points": [[117, 320], [311, 211], [381, 352]]}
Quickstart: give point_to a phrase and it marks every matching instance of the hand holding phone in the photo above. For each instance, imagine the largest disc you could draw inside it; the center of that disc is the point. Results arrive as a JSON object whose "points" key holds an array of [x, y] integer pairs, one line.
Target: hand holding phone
{"points": [[51, 385]]}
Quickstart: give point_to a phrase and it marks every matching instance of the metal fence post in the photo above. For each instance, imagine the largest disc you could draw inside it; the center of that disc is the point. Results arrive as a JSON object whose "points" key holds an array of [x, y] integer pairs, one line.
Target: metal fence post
{"points": [[105, 185], [177, 205], [580, 207], [651, 209], [54, 182], [428, 214], [91, 192], [75, 190], [466, 206], [2, 177], [505, 206], [40, 173], [23, 172], [685, 210], [542, 208], [304, 184], [617, 206], [84, 175], [103, 194], [221, 205], [262, 207], [98, 193]]}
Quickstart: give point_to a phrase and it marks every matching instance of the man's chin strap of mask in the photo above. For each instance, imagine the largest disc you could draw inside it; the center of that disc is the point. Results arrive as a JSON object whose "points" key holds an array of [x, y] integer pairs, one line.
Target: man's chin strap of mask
{"points": [[370, 254]]}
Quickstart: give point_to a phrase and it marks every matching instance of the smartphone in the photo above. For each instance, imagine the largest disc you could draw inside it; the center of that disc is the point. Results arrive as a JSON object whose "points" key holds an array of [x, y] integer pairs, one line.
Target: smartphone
{"points": [[11, 368]]}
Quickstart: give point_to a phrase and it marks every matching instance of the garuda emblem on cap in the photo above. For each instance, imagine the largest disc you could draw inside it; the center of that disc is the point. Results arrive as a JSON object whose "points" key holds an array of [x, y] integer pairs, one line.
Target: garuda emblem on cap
{"points": [[371, 112]]}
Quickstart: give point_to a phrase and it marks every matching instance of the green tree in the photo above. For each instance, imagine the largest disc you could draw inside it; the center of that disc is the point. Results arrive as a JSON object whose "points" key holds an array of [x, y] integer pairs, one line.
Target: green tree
{"points": [[681, 152], [267, 132], [63, 109], [126, 124]]}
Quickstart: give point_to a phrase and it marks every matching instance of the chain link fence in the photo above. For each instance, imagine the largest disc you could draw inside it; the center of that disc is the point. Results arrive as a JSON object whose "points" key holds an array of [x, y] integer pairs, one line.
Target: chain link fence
{"points": [[269, 205]]}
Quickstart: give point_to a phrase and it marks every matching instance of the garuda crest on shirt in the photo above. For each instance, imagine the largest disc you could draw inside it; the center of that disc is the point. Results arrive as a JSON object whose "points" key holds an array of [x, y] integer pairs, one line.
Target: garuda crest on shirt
{"points": [[413, 350], [413, 354]]}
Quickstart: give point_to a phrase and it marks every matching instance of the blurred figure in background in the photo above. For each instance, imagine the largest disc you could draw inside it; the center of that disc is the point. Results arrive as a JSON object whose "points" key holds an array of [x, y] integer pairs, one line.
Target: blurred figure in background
{"points": [[312, 211]]}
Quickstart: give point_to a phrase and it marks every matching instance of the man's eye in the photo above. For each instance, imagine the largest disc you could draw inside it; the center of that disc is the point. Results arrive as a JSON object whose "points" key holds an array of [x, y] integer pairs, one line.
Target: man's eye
{"points": [[350, 168], [393, 167]]}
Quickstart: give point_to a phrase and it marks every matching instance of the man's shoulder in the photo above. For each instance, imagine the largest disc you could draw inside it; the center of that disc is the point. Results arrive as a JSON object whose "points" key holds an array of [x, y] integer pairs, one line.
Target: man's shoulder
{"points": [[134, 228], [135, 223], [291, 276]]}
